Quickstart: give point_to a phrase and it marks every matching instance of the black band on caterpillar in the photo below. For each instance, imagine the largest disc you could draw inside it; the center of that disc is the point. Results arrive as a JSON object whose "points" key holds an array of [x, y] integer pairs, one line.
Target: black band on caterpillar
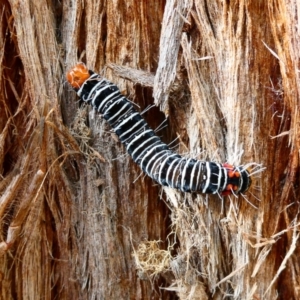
{"points": [[146, 149]]}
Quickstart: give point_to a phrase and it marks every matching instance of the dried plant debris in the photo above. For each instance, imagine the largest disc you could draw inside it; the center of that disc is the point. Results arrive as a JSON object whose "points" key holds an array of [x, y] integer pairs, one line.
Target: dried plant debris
{"points": [[82, 133], [151, 259]]}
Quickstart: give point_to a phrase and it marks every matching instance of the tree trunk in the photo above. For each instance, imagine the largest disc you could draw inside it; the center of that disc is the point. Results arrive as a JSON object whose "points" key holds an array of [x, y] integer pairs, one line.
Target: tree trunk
{"points": [[78, 221]]}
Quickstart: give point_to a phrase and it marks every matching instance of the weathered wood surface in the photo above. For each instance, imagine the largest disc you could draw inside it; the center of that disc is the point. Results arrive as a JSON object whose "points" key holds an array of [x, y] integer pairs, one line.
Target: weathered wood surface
{"points": [[226, 73]]}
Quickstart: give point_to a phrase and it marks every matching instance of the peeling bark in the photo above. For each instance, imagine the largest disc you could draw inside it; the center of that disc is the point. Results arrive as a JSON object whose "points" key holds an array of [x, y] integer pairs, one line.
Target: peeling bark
{"points": [[75, 222]]}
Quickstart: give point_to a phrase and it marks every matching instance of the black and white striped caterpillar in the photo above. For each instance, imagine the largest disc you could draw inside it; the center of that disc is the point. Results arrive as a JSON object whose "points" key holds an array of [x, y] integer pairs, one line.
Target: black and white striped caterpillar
{"points": [[152, 155]]}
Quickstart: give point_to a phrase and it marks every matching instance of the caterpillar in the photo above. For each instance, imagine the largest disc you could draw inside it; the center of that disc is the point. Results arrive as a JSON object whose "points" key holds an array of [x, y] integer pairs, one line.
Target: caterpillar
{"points": [[146, 149]]}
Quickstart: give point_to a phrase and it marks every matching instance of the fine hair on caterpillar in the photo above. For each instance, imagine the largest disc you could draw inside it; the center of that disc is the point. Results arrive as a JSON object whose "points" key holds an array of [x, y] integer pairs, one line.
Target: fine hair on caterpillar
{"points": [[153, 156]]}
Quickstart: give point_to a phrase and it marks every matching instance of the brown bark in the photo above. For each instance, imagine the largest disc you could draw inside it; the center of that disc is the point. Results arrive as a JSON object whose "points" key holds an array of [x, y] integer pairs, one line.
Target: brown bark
{"points": [[74, 224]]}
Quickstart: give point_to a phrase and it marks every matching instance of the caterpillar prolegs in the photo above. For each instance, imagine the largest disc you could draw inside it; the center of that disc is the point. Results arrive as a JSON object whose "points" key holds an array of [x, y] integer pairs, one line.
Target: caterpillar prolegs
{"points": [[152, 155]]}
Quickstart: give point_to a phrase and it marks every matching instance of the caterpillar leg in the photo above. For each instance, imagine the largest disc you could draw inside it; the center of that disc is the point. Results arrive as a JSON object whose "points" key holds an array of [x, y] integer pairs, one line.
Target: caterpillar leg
{"points": [[238, 180]]}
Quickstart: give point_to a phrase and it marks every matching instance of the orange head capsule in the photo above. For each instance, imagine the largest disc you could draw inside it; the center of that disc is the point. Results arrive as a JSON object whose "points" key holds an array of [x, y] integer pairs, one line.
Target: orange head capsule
{"points": [[78, 75]]}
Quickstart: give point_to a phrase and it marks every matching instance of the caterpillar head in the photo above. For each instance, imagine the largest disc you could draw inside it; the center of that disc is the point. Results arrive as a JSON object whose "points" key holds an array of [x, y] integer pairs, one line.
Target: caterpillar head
{"points": [[78, 75]]}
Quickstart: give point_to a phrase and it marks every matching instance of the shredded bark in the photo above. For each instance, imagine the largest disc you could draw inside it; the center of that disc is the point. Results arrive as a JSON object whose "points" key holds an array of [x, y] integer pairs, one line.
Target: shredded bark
{"points": [[77, 219]]}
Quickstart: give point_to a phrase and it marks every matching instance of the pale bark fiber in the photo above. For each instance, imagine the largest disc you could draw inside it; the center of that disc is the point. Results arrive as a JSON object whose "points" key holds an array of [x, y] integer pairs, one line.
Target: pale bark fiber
{"points": [[75, 223]]}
